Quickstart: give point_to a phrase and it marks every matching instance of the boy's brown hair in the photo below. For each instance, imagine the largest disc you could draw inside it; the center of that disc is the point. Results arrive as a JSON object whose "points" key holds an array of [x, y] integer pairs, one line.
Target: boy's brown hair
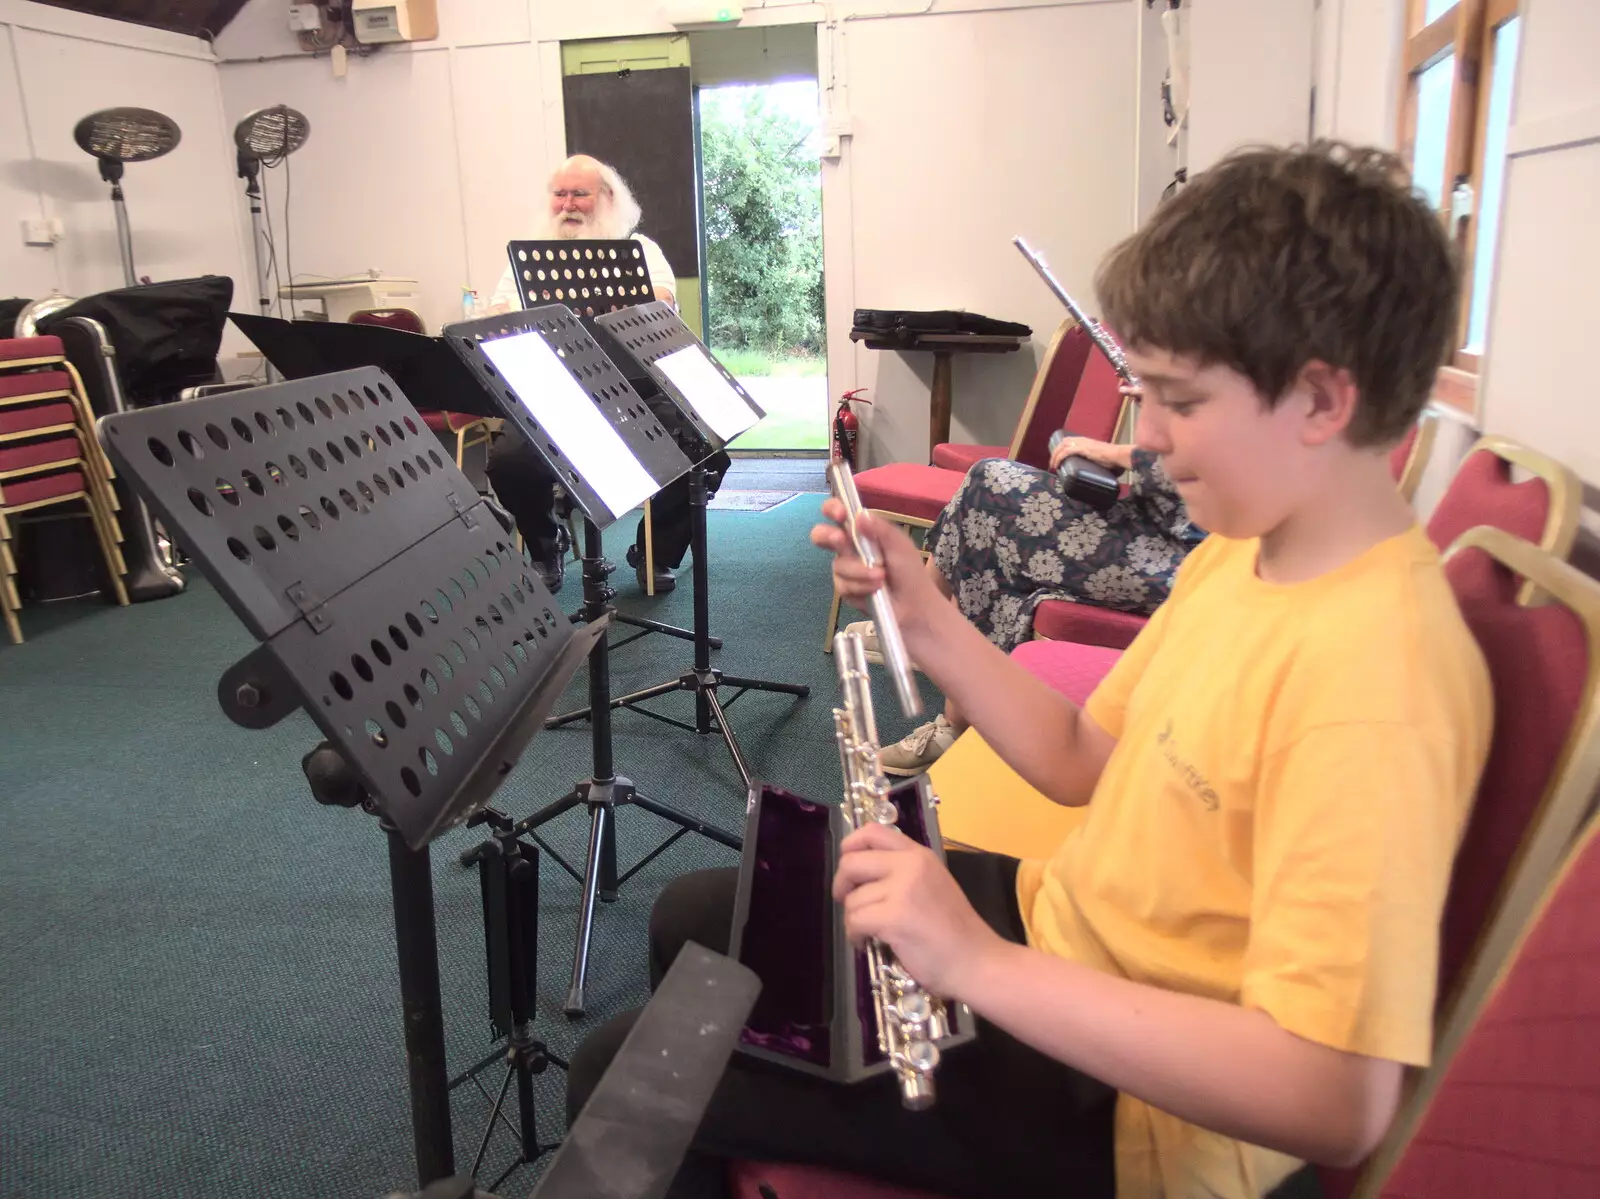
{"points": [[1277, 257]]}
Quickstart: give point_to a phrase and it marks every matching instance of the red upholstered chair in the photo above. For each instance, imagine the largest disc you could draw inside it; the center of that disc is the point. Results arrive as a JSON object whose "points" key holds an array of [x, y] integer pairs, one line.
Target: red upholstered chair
{"points": [[1054, 387], [1542, 508], [913, 495], [1516, 1110], [1537, 786], [467, 431], [1075, 674]]}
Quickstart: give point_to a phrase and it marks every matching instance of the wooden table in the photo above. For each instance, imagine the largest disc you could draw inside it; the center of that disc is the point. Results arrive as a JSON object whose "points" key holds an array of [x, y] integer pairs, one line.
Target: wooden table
{"points": [[943, 347]]}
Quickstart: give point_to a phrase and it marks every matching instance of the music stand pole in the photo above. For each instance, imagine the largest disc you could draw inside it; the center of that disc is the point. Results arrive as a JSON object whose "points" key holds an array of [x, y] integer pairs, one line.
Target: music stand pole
{"points": [[417, 947]]}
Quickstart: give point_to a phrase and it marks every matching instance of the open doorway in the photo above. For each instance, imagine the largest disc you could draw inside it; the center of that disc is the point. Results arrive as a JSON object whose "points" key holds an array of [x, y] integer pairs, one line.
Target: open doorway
{"points": [[758, 120]]}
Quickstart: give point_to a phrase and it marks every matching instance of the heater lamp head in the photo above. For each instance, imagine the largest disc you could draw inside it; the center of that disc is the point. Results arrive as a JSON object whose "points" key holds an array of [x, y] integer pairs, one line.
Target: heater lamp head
{"points": [[271, 132], [126, 134]]}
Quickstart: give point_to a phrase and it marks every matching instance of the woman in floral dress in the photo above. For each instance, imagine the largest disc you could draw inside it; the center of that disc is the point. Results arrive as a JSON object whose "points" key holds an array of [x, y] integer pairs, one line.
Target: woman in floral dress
{"points": [[1010, 538]]}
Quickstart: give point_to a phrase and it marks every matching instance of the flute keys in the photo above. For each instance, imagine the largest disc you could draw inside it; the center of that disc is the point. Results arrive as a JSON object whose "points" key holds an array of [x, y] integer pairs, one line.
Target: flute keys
{"points": [[921, 1057], [914, 1009]]}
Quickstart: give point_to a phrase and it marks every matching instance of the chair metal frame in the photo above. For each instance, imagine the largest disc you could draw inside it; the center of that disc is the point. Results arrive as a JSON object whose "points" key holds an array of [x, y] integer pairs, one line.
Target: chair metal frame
{"points": [[1421, 450], [1566, 498]]}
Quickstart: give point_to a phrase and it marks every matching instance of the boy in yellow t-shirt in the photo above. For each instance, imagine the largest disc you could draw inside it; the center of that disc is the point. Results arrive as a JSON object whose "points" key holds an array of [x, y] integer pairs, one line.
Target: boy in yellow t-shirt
{"points": [[1224, 969]]}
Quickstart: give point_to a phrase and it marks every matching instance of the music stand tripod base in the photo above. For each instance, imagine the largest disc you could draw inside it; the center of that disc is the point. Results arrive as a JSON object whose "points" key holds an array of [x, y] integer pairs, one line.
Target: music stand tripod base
{"points": [[650, 333]]}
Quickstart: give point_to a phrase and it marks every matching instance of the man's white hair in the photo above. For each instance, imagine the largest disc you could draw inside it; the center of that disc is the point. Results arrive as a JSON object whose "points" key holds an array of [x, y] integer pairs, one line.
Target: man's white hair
{"points": [[619, 216]]}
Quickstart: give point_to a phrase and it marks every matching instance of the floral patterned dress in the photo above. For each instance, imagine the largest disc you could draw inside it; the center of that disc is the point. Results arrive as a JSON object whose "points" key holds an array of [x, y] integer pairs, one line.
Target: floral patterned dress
{"points": [[1010, 538]]}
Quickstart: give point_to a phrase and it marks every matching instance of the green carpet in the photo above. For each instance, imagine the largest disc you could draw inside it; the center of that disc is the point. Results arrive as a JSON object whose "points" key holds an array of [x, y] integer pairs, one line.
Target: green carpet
{"points": [[198, 994]]}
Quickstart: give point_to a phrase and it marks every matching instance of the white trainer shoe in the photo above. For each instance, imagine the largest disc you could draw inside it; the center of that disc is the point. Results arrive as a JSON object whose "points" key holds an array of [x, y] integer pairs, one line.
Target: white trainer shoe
{"points": [[919, 749]]}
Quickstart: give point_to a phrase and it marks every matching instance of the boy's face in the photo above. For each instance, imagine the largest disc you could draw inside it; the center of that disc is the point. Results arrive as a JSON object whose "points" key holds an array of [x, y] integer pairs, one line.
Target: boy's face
{"points": [[1240, 465]]}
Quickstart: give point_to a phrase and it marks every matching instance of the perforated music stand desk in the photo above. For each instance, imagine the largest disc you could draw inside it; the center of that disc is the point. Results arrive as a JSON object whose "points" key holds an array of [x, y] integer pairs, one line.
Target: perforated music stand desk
{"points": [[552, 380], [390, 605], [590, 276], [712, 409]]}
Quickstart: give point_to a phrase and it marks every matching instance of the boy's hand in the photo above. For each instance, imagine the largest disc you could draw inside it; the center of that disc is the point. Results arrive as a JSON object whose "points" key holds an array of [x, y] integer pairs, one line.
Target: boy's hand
{"points": [[899, 892], [911, 592]]}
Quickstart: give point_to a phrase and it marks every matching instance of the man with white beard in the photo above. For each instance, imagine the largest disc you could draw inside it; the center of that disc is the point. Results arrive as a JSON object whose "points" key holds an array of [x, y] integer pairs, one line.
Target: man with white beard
{"points": [[588, 200]]}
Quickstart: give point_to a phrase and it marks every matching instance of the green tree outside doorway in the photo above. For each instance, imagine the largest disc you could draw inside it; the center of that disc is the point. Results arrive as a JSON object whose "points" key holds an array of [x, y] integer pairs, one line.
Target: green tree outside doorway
{"points": [[763, 214]]}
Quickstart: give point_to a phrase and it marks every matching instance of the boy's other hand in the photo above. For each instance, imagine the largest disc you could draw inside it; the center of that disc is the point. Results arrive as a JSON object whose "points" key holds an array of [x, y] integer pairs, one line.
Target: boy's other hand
{"points": [[900, 893], [900, 565]]}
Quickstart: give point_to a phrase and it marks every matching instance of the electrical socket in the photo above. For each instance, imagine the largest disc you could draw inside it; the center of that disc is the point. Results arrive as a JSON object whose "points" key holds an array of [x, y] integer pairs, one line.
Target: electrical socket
{"points": [[305, 18], [41, 232]]}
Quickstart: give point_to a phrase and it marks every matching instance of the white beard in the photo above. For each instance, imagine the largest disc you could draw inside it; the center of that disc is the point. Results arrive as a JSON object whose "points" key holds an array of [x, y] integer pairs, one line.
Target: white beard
{"points": [[574, 226]]}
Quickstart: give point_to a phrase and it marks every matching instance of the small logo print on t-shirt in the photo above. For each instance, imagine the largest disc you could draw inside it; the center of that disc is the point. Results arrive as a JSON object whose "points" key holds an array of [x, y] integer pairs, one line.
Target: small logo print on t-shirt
{"points": [[1185, 769]]}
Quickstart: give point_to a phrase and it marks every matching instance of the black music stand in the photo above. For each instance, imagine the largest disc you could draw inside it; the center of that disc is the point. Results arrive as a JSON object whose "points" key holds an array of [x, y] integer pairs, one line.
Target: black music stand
{"points": [[713, 409], [389, 603], [605, 445], [592, 277], [421, 364]]}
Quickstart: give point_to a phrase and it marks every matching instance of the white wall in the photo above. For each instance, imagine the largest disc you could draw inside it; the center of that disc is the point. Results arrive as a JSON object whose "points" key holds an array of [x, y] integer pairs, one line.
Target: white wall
{"points": [[423, 161], [1251, 66], [1535, 387], [58, 66], [966, 130], [1359, 48]]}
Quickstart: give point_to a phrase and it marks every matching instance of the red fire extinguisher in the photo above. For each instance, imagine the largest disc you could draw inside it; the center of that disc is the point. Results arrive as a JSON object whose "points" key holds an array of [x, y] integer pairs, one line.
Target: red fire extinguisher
{"points": [[847, 428]]}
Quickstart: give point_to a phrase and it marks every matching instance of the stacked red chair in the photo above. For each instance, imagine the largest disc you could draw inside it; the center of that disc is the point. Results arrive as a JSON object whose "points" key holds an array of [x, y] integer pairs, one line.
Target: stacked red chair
{"points": [[49, 459]]}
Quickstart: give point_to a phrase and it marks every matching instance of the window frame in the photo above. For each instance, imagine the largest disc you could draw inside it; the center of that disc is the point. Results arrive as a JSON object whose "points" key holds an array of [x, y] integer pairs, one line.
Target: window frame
{"points": [[1467, 30]]}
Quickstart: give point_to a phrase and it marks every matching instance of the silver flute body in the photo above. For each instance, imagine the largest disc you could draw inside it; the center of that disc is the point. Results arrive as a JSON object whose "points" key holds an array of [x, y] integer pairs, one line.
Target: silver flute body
{"points": [[893, 645], [1098, 335], [909, 1020]]}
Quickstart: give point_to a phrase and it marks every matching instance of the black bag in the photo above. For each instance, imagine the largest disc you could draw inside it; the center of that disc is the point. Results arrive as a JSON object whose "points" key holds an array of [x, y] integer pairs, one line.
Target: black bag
{"points": [[901, 326], [10, 310], [166, 335], [1085, 480]]}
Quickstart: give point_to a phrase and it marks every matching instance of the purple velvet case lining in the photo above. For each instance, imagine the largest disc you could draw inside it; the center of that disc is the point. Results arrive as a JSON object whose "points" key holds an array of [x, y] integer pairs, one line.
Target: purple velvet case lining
{"points": [[788, 929], [789, 926]]}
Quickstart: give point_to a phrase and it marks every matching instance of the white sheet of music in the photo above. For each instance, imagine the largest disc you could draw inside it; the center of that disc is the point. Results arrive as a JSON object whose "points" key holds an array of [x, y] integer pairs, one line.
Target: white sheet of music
{"points": [[704, 386], [564, 410]]}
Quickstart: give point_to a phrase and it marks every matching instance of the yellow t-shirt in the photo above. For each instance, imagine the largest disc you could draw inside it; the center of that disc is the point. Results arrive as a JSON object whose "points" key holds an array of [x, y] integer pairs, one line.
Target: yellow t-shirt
{"points": [[1276, 826]]}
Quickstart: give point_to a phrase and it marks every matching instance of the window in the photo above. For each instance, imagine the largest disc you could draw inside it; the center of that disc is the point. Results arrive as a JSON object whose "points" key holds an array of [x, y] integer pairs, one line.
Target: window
{"points": [[1460, 57]]}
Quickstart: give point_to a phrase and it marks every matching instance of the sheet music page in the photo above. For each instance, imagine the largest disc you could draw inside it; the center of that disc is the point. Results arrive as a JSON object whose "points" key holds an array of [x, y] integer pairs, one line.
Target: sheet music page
{"points": [[704, 386], [565, 411]]}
